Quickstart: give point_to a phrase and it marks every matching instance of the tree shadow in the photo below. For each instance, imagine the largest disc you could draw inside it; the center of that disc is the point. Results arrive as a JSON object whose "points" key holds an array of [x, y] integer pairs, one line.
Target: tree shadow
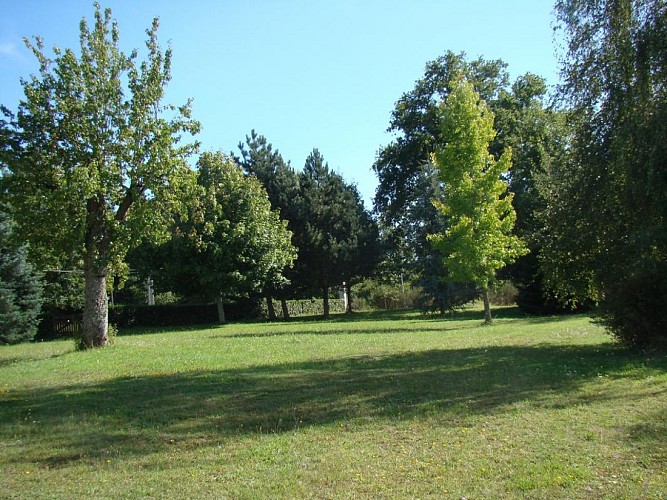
{"points": [[141, 415], [359, 330]]}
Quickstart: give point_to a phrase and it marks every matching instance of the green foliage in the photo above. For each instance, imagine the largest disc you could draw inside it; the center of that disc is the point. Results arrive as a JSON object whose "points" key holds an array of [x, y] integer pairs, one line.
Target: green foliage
{"points": [[336, 236], [503, 293], [439, 295], [633, 311], [279, 180], [95, 166], [407, 184], [307, 307], [231, 244], [479, 238], [375, 294], [63, 289], [281, 183], [608, 202], [20, 290], [167, 299], [415, 118]]}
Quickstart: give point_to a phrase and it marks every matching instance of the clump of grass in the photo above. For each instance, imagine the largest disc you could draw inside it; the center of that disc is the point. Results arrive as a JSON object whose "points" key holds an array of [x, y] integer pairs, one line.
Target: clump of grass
{"points": [[393, 405]]}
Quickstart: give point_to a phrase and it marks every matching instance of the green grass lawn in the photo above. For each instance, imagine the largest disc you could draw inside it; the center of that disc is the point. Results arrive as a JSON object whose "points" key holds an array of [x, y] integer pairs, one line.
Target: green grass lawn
{"points": [[380, 406]]}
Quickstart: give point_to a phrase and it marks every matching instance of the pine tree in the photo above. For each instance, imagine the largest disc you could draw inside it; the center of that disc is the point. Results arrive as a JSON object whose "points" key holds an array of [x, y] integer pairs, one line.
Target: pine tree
{"points": [[20, 290]]}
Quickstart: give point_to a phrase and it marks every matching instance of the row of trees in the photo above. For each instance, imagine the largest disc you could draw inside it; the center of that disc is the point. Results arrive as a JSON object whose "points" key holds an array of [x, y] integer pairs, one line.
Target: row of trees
{"points": [[95, 168], [482, 174], [257, 226], [588, 176]]}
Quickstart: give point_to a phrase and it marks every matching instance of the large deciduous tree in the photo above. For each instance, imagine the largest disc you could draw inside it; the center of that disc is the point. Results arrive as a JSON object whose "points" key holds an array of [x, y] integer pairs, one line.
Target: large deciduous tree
{"points": [[480, 217], [232, 243], [400, 165], [406, 181], [97, 164], [607, 211]]}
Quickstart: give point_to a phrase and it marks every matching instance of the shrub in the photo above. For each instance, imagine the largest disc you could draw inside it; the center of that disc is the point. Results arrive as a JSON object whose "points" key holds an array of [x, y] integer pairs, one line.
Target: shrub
{"points": [[504, 293], [634, 311], [376, 294]]}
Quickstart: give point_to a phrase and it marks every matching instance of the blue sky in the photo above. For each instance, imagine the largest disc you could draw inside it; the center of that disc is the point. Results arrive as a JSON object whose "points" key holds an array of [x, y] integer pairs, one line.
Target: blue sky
{"points": [[305, 74]]}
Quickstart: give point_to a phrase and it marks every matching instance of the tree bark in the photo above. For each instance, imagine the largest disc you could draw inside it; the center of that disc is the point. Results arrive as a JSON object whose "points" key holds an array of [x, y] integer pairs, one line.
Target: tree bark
{"points": [[269, 306], [325, 301], [487, 306], [95, 311], [348, 292], [96, 306], [221, 312], [283, 304]]}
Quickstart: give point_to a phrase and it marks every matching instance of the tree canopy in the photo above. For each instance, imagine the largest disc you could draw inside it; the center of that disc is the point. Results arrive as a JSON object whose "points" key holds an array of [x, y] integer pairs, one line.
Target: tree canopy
{"points": [[97, 166], [607, 203], [479, 239], [231, 243]]}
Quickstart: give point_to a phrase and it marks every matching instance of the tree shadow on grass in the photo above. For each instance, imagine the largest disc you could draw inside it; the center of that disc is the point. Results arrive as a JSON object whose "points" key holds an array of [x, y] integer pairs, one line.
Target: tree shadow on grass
{"points": [[142, 415], [357, 330]]}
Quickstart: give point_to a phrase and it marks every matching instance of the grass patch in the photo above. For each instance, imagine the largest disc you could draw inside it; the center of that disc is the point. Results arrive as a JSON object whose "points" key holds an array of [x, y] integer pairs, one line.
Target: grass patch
{"points": [[395, 405]]}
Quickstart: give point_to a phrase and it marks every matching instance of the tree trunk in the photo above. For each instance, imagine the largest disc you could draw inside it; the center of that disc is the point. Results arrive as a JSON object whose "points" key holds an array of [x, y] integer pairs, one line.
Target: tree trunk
{"points": [[95, 309], [487, 306], [221, 312], [325, 302], [285, 308], [96, 306], [269, 306], [348, 295]]}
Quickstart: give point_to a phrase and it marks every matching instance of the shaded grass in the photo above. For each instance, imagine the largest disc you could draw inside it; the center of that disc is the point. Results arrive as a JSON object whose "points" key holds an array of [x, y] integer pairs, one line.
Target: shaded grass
{"points": [[395, 405]]}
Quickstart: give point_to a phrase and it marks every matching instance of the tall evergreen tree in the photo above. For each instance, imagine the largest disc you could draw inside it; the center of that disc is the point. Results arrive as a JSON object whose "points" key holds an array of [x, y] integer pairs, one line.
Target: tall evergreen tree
{"points": [[20, 289], [258, 158], [334, 232]]}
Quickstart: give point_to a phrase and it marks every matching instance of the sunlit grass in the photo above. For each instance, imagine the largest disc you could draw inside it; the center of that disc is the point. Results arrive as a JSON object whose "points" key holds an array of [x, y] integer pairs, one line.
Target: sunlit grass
{"points": [[379, 406]]}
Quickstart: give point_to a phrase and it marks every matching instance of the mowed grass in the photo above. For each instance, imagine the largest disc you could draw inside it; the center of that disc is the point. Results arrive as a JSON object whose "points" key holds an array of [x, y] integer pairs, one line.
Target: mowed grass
{"points": [[379, 406]]}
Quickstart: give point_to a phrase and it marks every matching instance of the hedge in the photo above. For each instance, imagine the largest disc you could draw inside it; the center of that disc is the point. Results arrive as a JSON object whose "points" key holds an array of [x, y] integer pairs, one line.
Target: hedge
{"points": [[305, 307], [60, 323]]}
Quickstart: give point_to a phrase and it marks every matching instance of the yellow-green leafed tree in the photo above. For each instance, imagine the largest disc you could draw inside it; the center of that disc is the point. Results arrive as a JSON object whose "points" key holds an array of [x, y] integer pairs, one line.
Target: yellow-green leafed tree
{"points": [[479, 210]]}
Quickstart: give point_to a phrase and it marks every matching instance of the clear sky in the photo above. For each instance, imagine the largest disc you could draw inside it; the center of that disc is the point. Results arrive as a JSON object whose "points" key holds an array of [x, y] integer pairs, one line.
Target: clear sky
{"points": [[304, 73]]}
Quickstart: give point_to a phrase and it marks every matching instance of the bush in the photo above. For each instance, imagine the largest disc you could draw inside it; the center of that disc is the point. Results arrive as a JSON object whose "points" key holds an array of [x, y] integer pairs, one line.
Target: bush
{"points": [[504, 293], [374, 294], [634, 309]]}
